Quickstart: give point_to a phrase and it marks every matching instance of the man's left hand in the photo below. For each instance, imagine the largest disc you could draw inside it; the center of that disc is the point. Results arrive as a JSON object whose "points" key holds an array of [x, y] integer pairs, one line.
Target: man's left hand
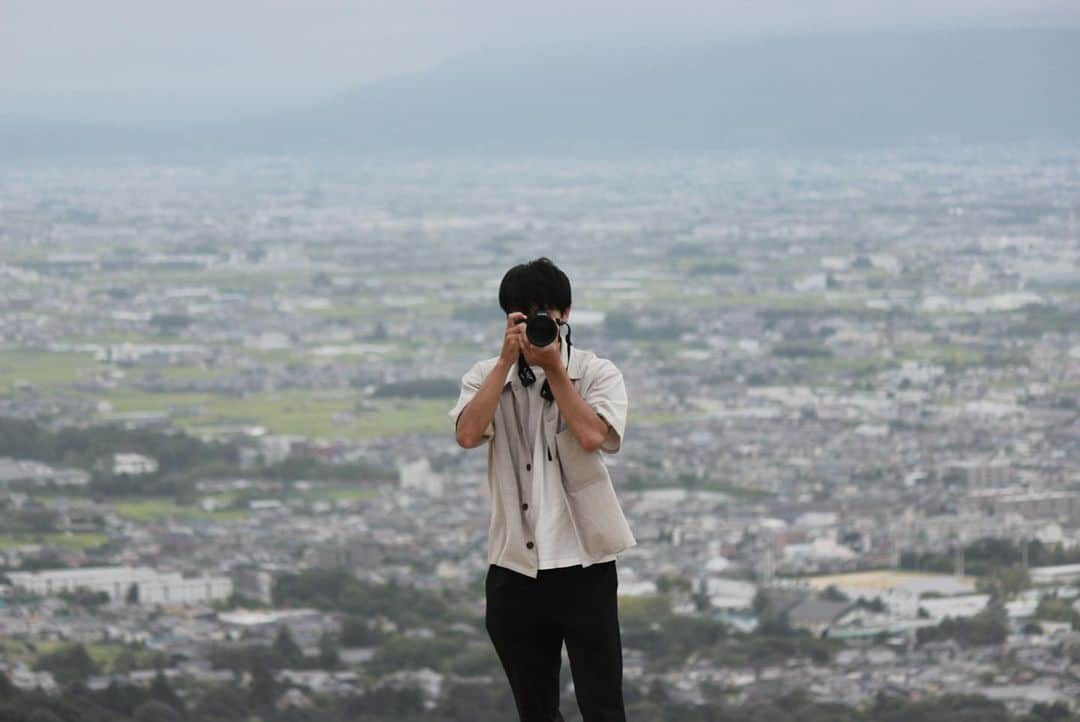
{"points": [[546, 357]]}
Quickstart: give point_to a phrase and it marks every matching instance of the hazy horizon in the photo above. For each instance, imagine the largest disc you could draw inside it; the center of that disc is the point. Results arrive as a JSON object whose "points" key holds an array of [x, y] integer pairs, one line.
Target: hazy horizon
{"points": [[128, 64]]}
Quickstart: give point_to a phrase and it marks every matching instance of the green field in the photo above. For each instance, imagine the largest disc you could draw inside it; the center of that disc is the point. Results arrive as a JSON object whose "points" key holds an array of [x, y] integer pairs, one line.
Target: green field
{"points": [[43, 368], [71, 541], [847, 367], [150, 509], [153, 509], [294, 411], [188, 373], [942, 354], [104, 654], [339, 492], [657, 419]]}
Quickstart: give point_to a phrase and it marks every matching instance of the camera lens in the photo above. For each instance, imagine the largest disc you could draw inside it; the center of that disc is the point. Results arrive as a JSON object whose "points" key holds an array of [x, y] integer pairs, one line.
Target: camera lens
{"points": [[541, 329]]}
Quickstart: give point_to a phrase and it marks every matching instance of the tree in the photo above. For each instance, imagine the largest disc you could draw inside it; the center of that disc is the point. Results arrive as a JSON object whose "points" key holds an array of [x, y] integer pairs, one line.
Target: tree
{"points": [[7, 689], [1004, 582], [1056, 712], [761, 602], [156, 711], [162, 691], [83, 597], [69, 664], [125, 662], [833, 594], [1054, 609], [329, 657], [387, 701], [264, 688], [771, 621], [357, 632], [221, 703], [464, 702], [286, 648], [657, 693], [990, 626], [122, 699]]}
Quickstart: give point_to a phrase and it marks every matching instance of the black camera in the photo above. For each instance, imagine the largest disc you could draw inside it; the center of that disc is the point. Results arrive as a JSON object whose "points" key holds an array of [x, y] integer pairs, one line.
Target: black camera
{"points": [[540, 328]]}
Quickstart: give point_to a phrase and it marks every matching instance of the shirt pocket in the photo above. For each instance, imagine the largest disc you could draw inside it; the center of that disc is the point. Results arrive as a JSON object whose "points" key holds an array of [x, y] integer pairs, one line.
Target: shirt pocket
{"points": [[580, 468]]}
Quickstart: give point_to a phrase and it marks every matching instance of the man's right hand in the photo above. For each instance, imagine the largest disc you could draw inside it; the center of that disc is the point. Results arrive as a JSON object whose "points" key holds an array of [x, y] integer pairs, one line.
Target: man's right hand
{"points": [[514, 339], [479, 413]]}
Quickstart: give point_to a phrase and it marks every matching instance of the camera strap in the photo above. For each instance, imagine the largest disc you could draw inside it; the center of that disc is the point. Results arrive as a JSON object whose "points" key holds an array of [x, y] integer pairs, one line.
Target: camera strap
{"points": [[528, 378], [545, 390]]}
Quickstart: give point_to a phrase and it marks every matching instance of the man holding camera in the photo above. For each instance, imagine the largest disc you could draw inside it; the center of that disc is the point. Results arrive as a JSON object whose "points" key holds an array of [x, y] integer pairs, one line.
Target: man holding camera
{"points": [[547, 409]]}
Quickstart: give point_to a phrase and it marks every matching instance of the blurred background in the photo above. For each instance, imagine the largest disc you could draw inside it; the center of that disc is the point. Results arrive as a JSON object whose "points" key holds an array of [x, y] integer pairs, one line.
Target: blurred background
{"points": [[248, 250]]}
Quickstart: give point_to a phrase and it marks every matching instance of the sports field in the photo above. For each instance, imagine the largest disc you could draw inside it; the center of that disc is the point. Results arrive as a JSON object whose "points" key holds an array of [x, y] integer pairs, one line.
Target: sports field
{"points": [[877, 580]]}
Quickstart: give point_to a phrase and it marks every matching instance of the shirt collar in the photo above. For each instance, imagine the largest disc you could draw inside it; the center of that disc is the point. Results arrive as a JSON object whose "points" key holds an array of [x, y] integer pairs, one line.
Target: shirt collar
{"points": [[576, 370]]}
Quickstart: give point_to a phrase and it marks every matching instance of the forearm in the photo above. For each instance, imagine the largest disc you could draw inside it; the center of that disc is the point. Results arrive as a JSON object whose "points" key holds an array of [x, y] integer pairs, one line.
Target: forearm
{"points": [[479, 412], [584, 423]]}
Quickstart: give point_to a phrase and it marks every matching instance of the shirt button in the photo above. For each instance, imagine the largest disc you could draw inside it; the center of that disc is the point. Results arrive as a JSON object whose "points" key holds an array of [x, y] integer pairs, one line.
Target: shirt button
{"points": [[528, 467], [529, 545], [525, 505]]}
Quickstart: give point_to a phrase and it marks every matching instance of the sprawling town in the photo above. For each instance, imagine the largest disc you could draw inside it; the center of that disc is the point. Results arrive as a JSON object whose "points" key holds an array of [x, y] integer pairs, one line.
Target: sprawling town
{"points": [[229, 485]]}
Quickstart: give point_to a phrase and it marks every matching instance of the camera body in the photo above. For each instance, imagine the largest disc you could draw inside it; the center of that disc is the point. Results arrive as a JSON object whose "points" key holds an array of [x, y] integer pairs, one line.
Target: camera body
{"points": [[540, 328]]}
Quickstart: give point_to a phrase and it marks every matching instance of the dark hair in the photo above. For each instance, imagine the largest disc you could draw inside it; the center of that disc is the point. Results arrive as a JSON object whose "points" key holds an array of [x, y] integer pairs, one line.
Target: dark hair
{"points": [[536, 283]]}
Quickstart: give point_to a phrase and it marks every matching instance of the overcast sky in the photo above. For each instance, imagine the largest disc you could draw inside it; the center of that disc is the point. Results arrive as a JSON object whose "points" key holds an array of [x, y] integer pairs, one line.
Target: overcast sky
{"points": [[143, 62]]}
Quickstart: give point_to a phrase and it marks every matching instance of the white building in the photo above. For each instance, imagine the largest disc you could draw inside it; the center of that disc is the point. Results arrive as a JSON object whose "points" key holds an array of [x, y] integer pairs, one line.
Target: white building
{"points": [[39, 472], [959, 607], [822, 549], [134, 464], [732, 594], [418, 475], [1060, 574], [151, 586]]}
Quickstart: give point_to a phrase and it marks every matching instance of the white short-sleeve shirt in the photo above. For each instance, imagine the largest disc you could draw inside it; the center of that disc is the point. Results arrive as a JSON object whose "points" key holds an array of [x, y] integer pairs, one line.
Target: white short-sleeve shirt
{"points": [[530, 529], [547, 514]]}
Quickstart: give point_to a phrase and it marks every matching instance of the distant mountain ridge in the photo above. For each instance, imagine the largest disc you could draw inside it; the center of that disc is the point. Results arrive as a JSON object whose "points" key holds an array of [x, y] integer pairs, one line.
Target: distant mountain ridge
{"points": [[834, 89]]}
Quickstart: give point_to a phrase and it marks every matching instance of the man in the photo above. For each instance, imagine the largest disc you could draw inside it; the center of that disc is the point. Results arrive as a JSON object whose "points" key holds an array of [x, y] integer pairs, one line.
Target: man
{"points": [[556, 523]]}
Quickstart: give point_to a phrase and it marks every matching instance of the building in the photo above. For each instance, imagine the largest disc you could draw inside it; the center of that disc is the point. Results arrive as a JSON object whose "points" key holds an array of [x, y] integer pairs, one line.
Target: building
{"points": [[349, 553], [1062, 506], [39, 473], [817, 615], [418, 475], [1060, 574], [141, 585], [257, 584], [982, 474], [133, 464]]}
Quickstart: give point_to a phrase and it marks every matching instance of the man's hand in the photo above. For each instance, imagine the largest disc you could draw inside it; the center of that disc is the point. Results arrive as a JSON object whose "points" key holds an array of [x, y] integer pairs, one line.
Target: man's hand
{"points": [[546, 357], [584, 422], [513, 338]]}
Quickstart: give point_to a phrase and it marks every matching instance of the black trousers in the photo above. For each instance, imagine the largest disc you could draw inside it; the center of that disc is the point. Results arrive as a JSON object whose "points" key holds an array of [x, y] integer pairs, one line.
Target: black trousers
{"points": [[529, 619]]}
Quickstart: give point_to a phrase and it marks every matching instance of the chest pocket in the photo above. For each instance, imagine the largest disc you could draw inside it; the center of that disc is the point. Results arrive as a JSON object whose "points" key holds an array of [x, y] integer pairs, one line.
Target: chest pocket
{"points": [[579, 468]]}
